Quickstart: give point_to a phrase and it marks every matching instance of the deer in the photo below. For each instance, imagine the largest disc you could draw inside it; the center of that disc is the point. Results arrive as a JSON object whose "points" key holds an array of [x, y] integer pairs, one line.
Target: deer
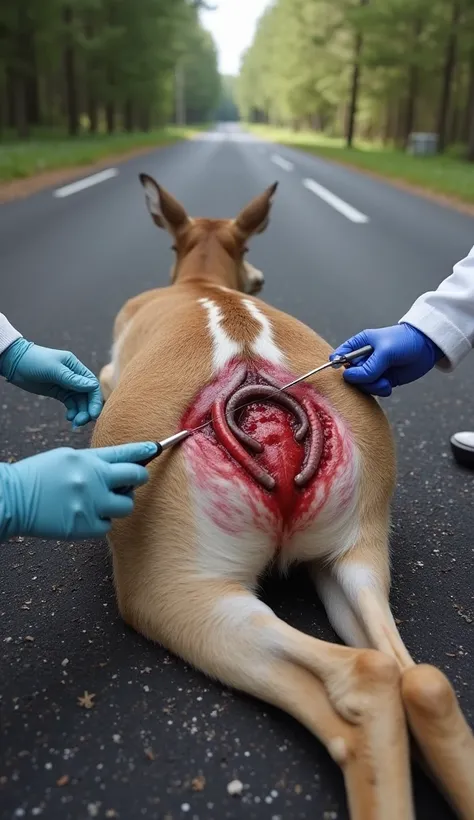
{"points": [[305, 476]]}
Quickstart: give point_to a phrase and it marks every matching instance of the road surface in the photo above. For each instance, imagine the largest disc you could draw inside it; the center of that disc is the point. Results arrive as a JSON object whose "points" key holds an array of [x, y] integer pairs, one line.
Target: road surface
{"points": [[342, 252]]}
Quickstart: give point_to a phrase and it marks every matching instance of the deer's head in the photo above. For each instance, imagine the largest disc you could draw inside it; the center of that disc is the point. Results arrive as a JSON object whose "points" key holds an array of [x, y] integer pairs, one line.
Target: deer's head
{"points": [[210, 249]]}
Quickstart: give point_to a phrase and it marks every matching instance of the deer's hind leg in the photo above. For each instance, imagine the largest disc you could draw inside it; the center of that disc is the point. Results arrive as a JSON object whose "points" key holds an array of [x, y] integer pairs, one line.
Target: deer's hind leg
{"points": [[349, 699], [355, 592]]}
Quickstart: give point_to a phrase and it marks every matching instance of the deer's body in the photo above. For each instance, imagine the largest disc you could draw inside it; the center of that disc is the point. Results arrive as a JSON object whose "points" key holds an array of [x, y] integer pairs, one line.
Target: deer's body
{"points": [[253, 490]]}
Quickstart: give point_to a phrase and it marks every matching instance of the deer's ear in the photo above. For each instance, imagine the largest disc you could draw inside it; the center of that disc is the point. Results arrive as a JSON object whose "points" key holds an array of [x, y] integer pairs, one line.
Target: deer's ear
{"points": [[255, 217], [164, 209]]}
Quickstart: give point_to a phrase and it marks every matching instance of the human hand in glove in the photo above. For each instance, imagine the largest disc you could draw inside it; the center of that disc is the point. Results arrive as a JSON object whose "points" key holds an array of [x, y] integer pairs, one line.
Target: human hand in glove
{"points": [[68, 493], [401, 354], [55, 373]]}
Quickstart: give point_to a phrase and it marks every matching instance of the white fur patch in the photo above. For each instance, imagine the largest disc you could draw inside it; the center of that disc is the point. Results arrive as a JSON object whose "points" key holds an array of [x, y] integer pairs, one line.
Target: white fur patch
{"points": [[229, 542], [339, 611], [354, 576], [115, 355], [238, 610], [247, 644], [224, 349], [264, 345], [152, 198], [254, 278]]}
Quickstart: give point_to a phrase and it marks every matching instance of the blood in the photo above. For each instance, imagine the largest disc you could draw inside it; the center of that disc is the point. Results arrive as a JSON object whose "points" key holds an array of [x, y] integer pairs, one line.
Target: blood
{"points": [[276, 474], [248, 461]]}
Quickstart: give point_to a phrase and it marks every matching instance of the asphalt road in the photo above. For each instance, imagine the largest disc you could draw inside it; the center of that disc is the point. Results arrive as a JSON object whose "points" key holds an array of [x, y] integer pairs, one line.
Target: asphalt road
{"points": [[66, 266]]}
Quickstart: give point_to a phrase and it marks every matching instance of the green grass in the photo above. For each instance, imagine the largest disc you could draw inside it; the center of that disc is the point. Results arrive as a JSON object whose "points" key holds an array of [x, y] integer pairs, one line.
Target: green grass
{"points": [[448, 174], [47, 151]]}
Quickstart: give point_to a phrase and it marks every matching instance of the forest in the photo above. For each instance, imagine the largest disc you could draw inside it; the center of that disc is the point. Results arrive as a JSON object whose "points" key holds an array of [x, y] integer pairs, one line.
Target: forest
{"points": [[88, 66], [374, 70]]}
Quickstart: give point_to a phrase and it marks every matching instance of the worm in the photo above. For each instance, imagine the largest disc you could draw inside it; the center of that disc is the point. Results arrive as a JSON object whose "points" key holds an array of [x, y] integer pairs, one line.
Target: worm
{"points": [[235, 440]]}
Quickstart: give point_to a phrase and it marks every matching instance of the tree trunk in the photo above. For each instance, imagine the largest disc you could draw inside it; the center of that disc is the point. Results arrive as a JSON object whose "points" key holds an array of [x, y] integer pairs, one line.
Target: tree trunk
{"points": [[110, 117], [128, 116], [387, 129], [470, 144], [448, 71], [92, 101], [391, 119], [470, 112], [399, 118], [10, 98], [413, 83], [32, 101], [93, 113], [352, 113], [454, 126], [69, 59], [21, 122], [455, 116], [32, 90], [469, 101], [145, 119]]}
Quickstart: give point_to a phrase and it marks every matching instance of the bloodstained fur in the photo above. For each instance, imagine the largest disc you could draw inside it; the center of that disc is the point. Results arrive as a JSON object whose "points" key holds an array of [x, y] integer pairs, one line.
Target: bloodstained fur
{"points": [[287, 508]]}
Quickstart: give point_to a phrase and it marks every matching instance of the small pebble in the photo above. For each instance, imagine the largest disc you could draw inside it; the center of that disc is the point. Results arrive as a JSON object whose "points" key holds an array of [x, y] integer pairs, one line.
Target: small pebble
{"points": [[235, 787]]}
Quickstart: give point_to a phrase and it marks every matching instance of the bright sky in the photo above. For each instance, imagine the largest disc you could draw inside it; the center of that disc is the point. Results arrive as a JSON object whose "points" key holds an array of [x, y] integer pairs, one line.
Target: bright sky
{"points": [[233, 26]]}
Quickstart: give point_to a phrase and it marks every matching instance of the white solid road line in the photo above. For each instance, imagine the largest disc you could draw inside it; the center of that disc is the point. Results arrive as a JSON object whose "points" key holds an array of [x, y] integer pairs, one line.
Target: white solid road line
{"points": [[282, 162], [338, 204], [87, 182]]}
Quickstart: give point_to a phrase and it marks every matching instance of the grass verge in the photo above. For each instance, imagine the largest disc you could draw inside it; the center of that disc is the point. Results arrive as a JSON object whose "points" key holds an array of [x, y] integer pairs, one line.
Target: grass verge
{"points": [[447, 175], [50, 152]]}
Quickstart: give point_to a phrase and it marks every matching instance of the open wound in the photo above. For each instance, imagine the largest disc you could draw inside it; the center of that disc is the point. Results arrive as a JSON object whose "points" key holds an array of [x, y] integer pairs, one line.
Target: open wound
{"points": [[277, 439], [275, 464]]}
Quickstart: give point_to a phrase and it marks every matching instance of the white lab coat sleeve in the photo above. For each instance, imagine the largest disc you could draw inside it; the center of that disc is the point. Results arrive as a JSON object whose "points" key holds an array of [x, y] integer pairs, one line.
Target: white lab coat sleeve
{"points": [[446, 315], [8, 334]]}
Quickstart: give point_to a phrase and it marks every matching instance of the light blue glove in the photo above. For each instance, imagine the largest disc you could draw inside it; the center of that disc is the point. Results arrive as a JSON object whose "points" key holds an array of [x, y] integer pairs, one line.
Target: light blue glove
{"points": [[54, 373], [401, 354], [68, 493]]}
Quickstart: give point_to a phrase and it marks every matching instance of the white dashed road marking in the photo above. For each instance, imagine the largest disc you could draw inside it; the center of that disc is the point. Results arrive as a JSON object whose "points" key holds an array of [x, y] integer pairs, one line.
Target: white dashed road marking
{"points": [[282, 162], [335, 202], [87, 182]]}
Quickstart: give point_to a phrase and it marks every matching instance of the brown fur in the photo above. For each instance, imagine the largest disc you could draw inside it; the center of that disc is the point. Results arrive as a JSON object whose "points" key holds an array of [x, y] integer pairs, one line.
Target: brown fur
{"points": [[350, 698]]}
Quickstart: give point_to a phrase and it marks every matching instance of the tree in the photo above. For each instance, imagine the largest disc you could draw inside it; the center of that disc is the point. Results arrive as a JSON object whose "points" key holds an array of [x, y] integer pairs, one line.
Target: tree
{"points": [[201, 77], [70, 78], [448, 70], [296, 69], [378, 69], [227, 110], [355, 82], [90, 63]]}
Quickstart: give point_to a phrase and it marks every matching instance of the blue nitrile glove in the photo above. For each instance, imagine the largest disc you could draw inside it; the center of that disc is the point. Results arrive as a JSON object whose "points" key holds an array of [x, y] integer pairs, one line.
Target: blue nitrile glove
{"points": [[54, 373], [68, 493], [401, 355]]}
